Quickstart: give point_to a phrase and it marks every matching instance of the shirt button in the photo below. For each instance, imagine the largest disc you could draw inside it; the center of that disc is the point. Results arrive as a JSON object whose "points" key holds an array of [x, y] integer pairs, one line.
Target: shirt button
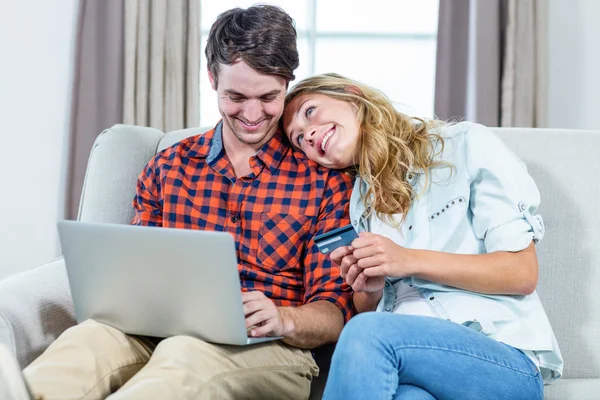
{"points": [[234, 219], [410, 227], [388, 309], [432, 298], [355, 222]]}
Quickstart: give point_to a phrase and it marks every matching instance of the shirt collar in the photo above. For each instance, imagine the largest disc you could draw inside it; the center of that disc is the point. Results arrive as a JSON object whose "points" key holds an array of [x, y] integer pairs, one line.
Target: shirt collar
{"points": [[210, 145], [272, 152]]}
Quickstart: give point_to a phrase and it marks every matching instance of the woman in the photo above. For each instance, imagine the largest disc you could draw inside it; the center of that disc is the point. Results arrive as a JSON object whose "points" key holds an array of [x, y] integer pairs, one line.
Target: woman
{"points": [[445, 254]]}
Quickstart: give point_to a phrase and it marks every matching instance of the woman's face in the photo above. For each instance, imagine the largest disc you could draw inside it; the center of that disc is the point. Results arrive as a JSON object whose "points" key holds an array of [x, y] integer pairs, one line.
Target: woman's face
{"points": [[324, 128]]}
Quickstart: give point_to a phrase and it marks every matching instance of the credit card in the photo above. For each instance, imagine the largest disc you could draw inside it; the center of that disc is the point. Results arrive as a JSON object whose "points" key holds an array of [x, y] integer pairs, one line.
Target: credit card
{"points": [[331, 240]]}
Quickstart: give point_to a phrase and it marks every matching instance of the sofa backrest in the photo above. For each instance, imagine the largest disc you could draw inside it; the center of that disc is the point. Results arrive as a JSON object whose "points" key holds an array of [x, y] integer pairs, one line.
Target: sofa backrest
{"points": [[563, 163], [566, 168]]}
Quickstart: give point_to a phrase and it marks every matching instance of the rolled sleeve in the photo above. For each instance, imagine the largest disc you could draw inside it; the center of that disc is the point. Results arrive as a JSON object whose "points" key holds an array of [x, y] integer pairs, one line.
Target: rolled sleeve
{"points": [[504, 197], [322, 278]]}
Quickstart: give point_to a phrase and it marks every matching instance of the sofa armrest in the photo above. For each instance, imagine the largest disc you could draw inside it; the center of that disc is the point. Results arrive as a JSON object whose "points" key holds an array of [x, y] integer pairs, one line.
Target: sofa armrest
{"points": [[35, 308]]}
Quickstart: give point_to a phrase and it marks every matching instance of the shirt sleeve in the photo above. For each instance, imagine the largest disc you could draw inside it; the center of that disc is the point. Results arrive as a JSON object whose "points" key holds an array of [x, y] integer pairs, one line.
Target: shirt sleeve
{"points": [[504, 197], [322, 278], [147, 203]]}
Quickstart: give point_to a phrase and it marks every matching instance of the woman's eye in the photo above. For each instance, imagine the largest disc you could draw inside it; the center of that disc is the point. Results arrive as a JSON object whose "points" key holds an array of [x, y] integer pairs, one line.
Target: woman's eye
{"points": [[300, 139], [309, 111]]}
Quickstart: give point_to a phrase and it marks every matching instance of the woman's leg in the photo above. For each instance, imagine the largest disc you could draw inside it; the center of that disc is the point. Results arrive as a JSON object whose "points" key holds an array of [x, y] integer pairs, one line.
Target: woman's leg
{"points": [[378, 352], [412, 392]]}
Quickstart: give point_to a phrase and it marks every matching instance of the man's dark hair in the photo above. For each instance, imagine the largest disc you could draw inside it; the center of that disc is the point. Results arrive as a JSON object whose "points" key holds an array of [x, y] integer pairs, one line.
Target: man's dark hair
{"points": [[262, 36]]}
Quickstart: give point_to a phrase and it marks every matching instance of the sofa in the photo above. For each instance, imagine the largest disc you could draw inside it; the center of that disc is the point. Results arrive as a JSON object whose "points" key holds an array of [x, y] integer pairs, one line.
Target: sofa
{"points": [[36, 306]]}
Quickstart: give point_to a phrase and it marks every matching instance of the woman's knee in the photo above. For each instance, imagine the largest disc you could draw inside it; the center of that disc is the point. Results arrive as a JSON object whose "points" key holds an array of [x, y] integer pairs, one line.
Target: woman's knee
{"points": [[359, 334]]}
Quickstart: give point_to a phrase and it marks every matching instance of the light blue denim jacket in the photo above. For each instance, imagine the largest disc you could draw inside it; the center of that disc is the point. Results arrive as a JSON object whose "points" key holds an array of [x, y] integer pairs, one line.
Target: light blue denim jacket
{"points": [[486, 204]]}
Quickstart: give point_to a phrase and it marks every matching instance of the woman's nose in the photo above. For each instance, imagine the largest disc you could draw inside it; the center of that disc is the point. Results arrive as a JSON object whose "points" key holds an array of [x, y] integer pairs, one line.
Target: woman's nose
{"points": [[310, 135]]}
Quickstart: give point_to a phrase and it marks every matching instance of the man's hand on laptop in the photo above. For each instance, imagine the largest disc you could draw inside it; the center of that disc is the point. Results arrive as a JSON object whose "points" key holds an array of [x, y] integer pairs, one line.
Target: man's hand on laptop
{"points": [[263, 317]]}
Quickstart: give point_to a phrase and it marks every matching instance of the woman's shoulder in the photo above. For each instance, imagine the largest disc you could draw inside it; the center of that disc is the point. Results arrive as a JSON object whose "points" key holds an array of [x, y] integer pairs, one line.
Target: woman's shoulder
{"points": [[464, 137], [459, 130]]}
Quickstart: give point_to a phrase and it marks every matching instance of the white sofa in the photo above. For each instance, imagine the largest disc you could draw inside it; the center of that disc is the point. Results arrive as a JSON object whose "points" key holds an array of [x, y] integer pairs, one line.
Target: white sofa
{"points": [[35, 305]]}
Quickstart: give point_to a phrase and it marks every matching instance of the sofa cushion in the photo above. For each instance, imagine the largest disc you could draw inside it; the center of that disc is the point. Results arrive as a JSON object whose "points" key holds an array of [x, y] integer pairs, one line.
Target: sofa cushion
{"points": [[116, 160], [36, 309], [580, 389]]}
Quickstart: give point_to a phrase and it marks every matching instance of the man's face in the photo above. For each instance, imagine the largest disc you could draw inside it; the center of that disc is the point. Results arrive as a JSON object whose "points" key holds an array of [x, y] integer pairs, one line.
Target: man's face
{"points": [[249, 102]]}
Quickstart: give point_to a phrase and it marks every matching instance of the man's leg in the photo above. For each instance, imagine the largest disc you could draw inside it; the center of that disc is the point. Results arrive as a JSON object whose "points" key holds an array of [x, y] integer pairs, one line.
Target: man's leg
{"points": [[186, 368], [88, 361], [378, 354]]}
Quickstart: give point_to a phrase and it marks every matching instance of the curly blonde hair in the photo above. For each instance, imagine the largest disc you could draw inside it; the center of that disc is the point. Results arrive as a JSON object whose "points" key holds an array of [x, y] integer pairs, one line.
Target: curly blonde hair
{"points": [[390, 143]]}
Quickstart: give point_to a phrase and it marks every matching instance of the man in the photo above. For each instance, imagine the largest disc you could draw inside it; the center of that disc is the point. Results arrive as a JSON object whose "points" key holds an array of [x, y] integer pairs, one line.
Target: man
{"points": [[244, 178]]}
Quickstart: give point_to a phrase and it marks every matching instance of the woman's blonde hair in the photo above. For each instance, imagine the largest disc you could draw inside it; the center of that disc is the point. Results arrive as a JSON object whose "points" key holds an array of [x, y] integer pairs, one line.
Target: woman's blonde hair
{"points": [[390, 143]]}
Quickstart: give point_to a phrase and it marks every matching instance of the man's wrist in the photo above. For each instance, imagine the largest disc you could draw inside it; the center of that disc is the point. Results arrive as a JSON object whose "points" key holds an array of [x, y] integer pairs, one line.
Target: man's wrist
{"points": [[288, 326]]}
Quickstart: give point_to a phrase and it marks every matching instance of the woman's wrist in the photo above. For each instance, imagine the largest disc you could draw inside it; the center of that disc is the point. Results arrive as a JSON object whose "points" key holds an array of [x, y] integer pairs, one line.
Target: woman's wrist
{"points": [[409, 264], [367, 301]]}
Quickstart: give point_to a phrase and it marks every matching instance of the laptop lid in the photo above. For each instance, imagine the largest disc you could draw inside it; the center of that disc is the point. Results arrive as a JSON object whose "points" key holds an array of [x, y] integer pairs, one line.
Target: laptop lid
{"points": [[156, 281]]}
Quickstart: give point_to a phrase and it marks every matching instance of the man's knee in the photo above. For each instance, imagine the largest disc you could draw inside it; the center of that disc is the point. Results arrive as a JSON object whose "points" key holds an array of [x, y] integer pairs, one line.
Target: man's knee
{"points": [[182, 346]]}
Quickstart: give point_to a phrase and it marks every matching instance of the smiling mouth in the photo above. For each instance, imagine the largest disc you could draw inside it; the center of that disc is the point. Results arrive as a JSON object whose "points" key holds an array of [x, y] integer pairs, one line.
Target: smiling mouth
{"points": [[323, 146], [251, 126]]}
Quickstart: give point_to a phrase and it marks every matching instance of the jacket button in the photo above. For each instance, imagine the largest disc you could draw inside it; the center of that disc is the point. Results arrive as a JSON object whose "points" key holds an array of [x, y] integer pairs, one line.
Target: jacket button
{"points": [[388, 309], [355, 222]]}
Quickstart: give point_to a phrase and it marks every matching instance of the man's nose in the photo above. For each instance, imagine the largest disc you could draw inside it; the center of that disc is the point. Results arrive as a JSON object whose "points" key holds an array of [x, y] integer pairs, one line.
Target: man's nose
{"points": [[253, 110]]}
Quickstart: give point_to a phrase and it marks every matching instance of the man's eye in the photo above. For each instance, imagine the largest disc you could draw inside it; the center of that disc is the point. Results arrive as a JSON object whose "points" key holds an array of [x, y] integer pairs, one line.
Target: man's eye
{"points": [[309, 111], [236, 99], [267, 99]]}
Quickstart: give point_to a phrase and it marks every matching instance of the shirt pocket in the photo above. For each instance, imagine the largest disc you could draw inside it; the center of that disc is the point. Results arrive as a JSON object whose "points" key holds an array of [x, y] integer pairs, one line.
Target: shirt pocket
{"points": [[448, 223], [282, 241], [449, 210]]}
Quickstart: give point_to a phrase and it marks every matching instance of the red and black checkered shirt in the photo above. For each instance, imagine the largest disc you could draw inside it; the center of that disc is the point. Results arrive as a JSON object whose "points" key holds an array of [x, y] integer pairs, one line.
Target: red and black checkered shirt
{"points": [[274, 213]]}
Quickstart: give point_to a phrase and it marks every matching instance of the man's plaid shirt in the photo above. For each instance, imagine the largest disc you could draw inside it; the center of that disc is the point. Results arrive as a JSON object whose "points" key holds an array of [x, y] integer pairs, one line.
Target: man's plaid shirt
{"points": [[274, 213]]}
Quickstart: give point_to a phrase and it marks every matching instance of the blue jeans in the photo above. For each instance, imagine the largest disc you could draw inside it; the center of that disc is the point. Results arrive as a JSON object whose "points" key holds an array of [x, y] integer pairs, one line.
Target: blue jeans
{"points": [[389, 356]]}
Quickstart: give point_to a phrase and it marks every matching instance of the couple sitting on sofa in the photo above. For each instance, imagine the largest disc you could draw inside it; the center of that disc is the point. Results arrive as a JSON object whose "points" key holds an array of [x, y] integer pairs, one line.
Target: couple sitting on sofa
{"points": [[445, 254]]}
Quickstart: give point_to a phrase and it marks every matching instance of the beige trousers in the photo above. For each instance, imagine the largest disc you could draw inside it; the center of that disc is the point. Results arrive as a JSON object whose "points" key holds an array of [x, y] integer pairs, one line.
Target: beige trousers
{"points": [[96, 361]]}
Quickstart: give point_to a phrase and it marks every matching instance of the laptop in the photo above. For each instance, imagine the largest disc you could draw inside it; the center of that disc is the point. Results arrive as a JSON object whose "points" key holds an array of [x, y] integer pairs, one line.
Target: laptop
{"points": [[156, 281]]}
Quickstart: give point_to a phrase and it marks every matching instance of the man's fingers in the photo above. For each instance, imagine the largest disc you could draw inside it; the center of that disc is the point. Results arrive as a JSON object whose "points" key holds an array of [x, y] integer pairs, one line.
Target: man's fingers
{"points": [[253, 306], [254, 295], [265, 330], [258, 318]]}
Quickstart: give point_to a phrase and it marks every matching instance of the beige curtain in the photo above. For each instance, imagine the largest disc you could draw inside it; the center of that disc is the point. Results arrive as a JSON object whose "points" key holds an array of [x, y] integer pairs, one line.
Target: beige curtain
{"points": [[97, 96], [491, 62], [467, 84], [162, 63], [525, 77]]}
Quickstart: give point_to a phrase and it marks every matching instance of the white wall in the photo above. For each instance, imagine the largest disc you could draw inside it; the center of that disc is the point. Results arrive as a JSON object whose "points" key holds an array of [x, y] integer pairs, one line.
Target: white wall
{"points": [[574, 64], [36, 51]]}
